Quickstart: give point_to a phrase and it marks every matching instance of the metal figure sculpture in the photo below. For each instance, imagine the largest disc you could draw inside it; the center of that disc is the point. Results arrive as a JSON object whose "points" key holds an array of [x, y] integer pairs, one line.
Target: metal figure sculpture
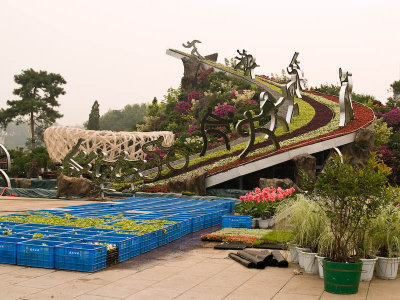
{"points": [[275, 118], [293, 88], [247, 62], [5, 165], [192, 44], [211, 119], [345, 101], [267, 108]]}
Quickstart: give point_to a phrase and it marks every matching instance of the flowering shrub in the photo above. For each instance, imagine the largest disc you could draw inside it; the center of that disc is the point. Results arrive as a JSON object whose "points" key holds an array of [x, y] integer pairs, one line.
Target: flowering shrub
{"points": [[203, 75], [151, 156], [192, 128], [193, 96], [224, 109], [263, 203], [241, 95], [392, 117], [183, 107]]}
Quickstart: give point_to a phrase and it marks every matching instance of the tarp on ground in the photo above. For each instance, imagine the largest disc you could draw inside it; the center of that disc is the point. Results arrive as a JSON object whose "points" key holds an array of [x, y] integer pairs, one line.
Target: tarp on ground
{"points": [[51, 194]]}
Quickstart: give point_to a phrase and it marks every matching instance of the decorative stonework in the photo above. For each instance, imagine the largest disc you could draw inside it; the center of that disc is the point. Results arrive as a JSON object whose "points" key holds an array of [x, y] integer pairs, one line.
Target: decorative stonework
{"points": [[60, 140]]}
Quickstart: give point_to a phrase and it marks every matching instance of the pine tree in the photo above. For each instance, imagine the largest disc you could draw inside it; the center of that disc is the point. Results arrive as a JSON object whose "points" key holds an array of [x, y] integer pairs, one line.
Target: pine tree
{"points": [[38, 92], [94, 117]]}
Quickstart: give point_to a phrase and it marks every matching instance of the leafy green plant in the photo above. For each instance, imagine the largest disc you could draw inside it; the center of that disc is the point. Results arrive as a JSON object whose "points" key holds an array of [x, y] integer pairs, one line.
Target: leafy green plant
{"points": [[382, 133], [385, 232], [37, 236], [350, 197]]}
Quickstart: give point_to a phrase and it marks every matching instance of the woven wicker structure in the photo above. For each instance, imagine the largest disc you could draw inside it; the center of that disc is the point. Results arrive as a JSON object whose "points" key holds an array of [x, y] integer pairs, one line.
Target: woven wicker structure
{"points": [[60, 139]]}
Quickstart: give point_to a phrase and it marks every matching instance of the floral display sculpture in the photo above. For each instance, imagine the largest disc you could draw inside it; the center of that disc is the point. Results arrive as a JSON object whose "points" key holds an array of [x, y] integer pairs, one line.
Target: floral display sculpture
{"points": [[345, 103]]}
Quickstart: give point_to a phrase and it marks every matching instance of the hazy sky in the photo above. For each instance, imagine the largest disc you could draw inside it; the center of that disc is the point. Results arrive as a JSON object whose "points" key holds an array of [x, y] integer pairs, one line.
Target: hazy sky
{"points": [[114, 51]]}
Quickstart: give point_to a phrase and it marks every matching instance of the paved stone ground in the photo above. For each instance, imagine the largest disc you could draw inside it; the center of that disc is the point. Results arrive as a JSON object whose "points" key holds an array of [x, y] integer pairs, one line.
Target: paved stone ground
{"points": [[180, 270]]}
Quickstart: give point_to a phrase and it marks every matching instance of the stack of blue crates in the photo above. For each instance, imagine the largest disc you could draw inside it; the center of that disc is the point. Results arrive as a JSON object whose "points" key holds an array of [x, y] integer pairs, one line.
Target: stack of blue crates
{"points": [[82, 249]]}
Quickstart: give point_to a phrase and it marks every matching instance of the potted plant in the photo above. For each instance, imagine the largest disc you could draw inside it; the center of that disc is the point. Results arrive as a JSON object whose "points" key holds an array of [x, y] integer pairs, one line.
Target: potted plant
{"points": [[307, 222], [349, 196], [263, 204], [386, 234]]}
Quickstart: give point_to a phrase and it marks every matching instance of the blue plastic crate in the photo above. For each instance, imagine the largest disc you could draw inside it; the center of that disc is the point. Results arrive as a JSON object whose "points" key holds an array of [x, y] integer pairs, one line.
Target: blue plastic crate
{"points": [[8, 249], [35, 253], [149, 242], [236, 221], [80, 257], [121, 242]]}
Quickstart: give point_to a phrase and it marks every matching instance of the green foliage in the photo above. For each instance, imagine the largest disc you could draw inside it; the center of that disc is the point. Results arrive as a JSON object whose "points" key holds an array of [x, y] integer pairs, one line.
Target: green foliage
{"points": [[278, 236], [140, 226], [382, 133], [394, 101], [38, 92], [385, 232], [94, 117], [37, 236], [332, 89], [123, 120], [350, 198], [22, 161], [306, 183], [305, 219], [394, 143]]}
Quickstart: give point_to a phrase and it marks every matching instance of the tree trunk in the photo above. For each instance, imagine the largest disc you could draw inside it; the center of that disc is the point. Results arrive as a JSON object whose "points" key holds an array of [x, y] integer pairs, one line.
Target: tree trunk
{"points": [[32, 131]]}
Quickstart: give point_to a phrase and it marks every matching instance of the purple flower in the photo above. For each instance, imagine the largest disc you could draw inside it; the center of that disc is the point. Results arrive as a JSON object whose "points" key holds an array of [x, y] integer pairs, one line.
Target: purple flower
{"points": [[224, 109], [192, 128], [182, 107], [392, 117], [193, 95]]}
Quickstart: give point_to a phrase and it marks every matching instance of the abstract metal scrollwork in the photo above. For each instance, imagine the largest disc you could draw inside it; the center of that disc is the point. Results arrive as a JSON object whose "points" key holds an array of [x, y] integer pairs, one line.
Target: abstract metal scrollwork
{"points": [[192, 44], [268, 108], [211, 119], [5, 165], [293, 88], [101, 170], [170, 153], [247, 62], [345, 101]]}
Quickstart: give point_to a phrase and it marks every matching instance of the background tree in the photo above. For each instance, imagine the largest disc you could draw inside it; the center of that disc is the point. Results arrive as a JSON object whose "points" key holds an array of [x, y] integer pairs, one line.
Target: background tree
{"points": [[38, 92], [124, 119], [94, 117], [394, 101]]}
